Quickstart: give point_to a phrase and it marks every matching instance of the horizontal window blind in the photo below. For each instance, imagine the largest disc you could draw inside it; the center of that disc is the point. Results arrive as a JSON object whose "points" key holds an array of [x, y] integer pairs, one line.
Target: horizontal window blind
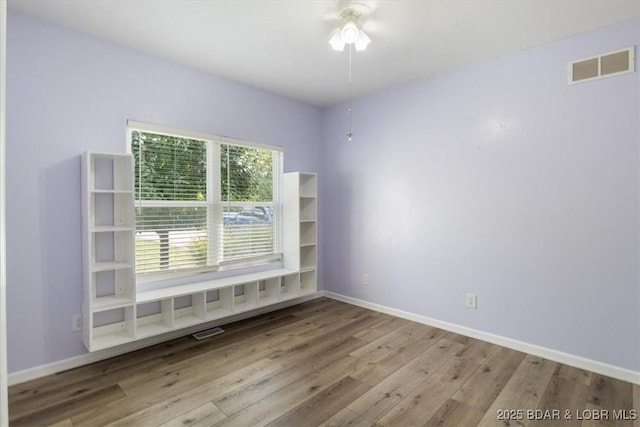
{"points": [[203, 203], [247, 195]]}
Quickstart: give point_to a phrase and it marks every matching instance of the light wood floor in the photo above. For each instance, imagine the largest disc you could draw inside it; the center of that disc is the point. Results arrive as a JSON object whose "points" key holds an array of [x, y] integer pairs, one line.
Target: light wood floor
{"points": [[323, 363]]}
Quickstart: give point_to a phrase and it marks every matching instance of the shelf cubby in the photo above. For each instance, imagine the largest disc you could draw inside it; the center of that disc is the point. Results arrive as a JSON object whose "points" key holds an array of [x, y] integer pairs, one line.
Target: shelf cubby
{"points": [[112, 172], [308, 258], [154, 318], [112, 288], [269, 291], [113, 247], [113, 327], [308, 185], [308, 233], [112, 209], [188, 310], [219, 303], [308, 208], [308, 280], [245, 297], [290, 286]]}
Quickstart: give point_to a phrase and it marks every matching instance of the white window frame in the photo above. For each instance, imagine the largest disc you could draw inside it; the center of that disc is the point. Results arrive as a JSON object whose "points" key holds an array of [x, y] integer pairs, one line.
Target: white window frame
{"points": [[214, 203]]}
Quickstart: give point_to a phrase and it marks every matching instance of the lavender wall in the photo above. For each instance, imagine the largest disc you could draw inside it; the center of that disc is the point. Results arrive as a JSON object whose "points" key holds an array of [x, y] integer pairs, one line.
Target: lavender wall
{"points": [[68, 93], [502, 180], [497, 179]]}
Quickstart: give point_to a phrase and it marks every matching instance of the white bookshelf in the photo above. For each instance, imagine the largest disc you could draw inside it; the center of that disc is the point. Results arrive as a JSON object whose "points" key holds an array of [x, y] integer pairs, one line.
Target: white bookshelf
{"points": [[115, 312], [108, 250], [301, 232]]}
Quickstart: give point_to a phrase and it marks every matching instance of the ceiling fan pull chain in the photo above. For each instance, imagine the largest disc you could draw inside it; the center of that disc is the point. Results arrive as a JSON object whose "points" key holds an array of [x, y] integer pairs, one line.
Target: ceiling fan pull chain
{"points": [[350, 133]]}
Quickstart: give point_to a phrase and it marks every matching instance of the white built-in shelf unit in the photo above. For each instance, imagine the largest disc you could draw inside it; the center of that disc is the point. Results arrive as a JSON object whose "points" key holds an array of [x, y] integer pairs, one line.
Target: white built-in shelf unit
{"points": [[116, 312]]}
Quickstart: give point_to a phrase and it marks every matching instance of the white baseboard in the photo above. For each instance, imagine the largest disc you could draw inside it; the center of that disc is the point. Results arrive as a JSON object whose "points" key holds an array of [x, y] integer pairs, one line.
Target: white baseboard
{"points": [[557, 356], [88, 358], [547, 353]]}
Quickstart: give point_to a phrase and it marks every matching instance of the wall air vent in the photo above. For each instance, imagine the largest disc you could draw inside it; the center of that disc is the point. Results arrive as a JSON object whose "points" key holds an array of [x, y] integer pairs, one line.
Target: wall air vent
{"points": [[605, 65]]}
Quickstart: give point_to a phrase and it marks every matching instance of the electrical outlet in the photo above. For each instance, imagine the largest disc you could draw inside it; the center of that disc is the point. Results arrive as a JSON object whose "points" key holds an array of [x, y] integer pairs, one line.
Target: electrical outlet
{"points": [[76, 322], [471, 301], [365, 279]]}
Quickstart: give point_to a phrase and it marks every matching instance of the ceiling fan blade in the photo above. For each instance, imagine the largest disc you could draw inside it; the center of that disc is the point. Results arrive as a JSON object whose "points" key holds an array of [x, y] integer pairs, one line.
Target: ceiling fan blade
{"points": [[370, 26], [332, 16]]}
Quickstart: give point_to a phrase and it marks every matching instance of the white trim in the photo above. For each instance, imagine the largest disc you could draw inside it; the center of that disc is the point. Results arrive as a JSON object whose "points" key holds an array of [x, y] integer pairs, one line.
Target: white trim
{"points": [[96, 356], [536, 350], [557, 356], [4, 403], [148, 127]]}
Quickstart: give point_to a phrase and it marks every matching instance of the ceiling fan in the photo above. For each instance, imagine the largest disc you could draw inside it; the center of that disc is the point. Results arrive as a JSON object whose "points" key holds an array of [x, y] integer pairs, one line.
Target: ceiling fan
{"points": [[353, 17]]}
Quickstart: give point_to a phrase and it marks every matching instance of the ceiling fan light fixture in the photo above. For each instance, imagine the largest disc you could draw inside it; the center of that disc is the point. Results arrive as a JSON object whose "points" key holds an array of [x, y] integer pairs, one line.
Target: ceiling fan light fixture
{"points": [[336, 41], [362, 42], [350, 32]]}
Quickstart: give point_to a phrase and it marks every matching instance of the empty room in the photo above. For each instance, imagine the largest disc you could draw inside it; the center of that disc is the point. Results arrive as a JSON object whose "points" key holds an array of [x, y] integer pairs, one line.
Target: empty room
{"points": [[319, 213]]}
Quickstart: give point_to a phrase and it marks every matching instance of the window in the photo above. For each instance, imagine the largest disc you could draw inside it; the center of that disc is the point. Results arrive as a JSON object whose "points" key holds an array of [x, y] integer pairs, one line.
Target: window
{"points": [[203, 201]]}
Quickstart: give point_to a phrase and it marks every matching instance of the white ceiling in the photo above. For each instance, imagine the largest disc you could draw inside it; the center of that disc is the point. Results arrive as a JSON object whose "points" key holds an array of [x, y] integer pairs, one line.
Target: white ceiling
{"points": [[282, 45]]}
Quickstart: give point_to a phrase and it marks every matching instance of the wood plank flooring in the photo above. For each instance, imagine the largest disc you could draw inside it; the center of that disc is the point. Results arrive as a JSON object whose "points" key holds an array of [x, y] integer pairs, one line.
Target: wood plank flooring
{"points": [[325, 363]]}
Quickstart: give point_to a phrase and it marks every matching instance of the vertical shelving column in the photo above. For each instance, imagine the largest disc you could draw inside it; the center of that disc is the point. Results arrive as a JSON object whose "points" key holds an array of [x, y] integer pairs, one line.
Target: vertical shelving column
{"points": [[301, 228], [108, 249]]}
